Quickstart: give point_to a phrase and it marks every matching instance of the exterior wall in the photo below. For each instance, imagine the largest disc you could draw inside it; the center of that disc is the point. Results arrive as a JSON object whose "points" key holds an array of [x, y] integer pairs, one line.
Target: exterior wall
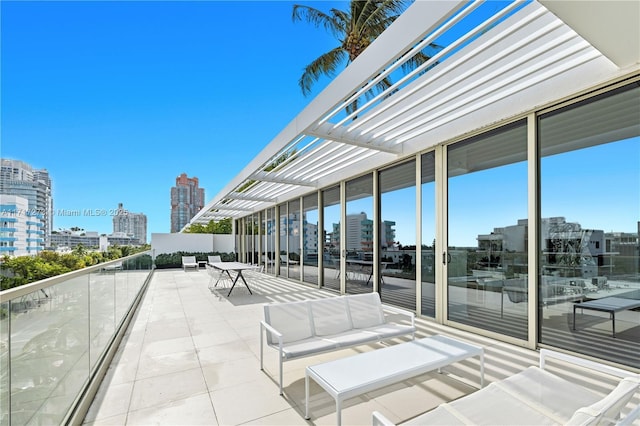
{"points": [[173, 242]]}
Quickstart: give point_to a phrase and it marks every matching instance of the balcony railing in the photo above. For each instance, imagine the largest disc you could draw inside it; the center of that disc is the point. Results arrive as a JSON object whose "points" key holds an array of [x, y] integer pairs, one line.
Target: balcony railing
{"points": [[57, 336]]}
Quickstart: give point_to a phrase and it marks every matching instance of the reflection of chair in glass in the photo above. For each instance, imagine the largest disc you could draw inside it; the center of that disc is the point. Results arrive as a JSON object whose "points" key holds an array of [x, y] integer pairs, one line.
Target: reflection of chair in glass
{"points": [[516, 291]]}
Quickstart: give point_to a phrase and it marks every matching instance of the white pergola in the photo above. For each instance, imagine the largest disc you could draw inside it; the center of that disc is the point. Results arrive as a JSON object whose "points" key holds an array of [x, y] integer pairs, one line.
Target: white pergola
{"points": [[516, 59]]}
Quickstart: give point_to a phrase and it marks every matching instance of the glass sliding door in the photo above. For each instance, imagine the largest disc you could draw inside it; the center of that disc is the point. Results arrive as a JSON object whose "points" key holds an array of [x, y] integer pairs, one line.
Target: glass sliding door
{"points": [[282, 254], [294, 250], [428, 272], [270, 248], [331, 238], [398, 235], [358, 247], [487, 231], [590, 225], [310, 238]]}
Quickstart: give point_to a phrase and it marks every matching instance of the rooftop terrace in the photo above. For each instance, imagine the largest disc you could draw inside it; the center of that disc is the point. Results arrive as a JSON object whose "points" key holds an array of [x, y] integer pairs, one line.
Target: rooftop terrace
{"points": [[191, 356]]}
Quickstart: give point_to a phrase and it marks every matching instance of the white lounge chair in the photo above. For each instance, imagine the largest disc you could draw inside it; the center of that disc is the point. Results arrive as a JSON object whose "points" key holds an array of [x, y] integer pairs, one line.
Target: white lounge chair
{"points": [[189, 262], [214, 259], [537, 396]]}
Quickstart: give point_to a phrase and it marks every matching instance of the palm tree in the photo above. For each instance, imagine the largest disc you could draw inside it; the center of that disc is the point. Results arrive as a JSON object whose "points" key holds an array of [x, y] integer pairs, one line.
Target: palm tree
{"points": [[355, 29]]}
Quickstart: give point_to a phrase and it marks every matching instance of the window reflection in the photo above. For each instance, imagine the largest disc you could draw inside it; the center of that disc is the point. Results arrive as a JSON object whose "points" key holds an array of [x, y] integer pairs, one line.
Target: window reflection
{"points": [[358, 248], [398, 235], [331, 238], [428, 272], [487, 244], [590, 226], [282, 254], [294, 227], [310, 238]]}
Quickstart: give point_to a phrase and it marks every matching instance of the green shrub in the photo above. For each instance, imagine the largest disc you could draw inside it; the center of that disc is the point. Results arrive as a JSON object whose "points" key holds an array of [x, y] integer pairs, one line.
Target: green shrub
{"points": [[174, 260]]}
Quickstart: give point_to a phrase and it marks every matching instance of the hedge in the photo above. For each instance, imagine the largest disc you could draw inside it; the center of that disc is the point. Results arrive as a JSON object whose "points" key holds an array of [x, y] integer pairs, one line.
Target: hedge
{"points": [[174, 260]]}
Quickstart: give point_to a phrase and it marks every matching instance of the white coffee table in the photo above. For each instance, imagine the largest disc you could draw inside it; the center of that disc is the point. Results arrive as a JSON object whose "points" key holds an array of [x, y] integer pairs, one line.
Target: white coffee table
{"points": [[355, 375]]}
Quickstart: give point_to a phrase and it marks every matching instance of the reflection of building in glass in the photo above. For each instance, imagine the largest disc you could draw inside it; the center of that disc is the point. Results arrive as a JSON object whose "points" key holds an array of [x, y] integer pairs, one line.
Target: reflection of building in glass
{"points": [[290, 227], [20, 229], [310, 240], [360, 234], [132, 224], [569, 249], [19, 178]]}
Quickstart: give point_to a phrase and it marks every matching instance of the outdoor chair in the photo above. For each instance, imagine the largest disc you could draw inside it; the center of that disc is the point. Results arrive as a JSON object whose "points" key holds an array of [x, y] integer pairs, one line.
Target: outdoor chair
{"points": [[189, 262], [214, 259]]}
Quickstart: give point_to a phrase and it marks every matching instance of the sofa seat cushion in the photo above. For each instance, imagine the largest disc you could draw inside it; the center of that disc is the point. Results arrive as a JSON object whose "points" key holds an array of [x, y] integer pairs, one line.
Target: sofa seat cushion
{"points": [[330, 316], [386, 331], [307, 347], [365, 310], [354, 337]]}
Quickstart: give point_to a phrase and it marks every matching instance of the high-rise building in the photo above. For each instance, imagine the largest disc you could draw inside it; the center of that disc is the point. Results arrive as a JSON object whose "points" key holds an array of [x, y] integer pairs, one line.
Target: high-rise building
{"points": [[21, 179], [187, 199], [132, 224], [20, 229]]}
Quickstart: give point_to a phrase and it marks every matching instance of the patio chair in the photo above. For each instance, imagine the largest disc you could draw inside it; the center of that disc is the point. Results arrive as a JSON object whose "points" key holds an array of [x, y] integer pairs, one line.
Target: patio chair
{"points": [[539, 397], [190, 262], [214, 259]]}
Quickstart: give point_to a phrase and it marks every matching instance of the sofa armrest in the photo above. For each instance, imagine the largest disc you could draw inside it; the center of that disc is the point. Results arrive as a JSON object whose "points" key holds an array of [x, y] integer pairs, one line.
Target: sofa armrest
{"points": [[270, 329], [380, 420], [582, 362], [400, 311]]}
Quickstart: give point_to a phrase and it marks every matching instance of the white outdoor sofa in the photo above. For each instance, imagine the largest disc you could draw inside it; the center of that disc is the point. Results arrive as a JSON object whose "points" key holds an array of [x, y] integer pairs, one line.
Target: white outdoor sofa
{"points": [[535, 397], [310, 327]]}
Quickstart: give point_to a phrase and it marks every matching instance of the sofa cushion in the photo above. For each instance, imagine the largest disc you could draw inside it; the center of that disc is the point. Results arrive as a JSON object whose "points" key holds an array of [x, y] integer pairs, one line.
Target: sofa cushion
{"points": [[293, 320], [386, 331], [365, 310], [330, 316], [354, 337], [308, 346]]}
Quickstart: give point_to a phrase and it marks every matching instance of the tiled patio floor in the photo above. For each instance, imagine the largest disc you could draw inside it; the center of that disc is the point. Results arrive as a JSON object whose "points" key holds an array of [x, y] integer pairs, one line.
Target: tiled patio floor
{"points": [[191, 357]]}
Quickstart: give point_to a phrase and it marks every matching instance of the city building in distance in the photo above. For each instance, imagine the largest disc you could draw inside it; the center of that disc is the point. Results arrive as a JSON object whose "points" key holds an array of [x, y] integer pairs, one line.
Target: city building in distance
{"points": [[21, 179], [187, 199], [65, 240], [131, 224], [20, 229]]}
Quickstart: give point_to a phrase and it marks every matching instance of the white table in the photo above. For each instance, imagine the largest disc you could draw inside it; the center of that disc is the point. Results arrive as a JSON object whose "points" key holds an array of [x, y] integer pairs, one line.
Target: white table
{"points": [[355, 375], [226, 267]]}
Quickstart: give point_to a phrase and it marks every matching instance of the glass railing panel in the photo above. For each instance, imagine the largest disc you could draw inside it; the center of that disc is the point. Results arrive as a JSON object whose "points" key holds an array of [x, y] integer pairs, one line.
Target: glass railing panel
{"points": [[49, 351], [102, 303], [53, 336], [4, 364]]}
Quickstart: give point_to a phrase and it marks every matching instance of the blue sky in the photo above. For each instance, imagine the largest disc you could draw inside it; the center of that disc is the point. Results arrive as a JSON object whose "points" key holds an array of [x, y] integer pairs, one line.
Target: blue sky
{"points": [[116, 99]]}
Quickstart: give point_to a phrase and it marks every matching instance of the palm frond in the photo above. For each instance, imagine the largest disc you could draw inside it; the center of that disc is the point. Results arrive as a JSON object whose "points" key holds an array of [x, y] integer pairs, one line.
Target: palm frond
{"points": [[317, 18], [325, 64]]}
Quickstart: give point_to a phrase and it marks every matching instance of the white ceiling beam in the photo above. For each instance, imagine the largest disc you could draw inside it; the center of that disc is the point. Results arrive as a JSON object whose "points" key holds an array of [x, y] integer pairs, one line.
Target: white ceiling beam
{"points": [[328, 132], [268, 177]]}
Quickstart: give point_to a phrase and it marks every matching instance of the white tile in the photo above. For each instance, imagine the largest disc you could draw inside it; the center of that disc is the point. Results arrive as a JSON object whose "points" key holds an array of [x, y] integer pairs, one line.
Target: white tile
{"points": [[195, 410], [247, 402], [160, 390], [110, 400]]}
